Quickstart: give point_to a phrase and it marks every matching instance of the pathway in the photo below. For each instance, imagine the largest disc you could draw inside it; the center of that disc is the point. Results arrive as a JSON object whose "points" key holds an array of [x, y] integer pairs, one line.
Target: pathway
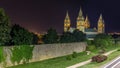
{"points": [[88, 61], [113, 64]]}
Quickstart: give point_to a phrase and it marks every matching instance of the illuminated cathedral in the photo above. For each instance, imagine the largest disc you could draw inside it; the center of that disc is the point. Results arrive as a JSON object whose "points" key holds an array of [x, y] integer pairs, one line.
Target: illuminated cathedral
{"points": [[83, 24]]}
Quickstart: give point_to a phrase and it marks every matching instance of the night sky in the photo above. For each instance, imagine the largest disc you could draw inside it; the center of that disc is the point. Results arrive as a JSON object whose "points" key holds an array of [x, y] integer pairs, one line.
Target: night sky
{"points": [[40, 15]]}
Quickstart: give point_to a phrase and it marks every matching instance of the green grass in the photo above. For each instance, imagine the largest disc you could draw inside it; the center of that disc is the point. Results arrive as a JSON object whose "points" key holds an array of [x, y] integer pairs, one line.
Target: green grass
{"points": [[97, 65], [60, 62]]}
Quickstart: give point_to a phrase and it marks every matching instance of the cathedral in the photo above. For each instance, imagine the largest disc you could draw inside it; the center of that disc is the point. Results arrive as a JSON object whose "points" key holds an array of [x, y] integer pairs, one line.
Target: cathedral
{"points": [[83, 24]]}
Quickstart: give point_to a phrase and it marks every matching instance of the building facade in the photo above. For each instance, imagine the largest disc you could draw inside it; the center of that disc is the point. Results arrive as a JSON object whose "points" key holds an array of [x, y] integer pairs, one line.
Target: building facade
{"points": [[83, 24]]}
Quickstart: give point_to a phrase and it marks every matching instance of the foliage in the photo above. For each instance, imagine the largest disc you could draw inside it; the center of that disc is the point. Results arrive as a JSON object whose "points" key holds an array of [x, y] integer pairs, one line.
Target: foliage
{"points": [[90, 47], [69, 57], [76, 36], [16, 55], [23, 52], [99, 58], [60, 62], [21, 36], [116, 41], [50, 37], [2, 57], [90, 42], [4, 28], [103, 40], [67, 37], [118, 50], [79, 35], [35, 39], [110, 57], [74, 55]]}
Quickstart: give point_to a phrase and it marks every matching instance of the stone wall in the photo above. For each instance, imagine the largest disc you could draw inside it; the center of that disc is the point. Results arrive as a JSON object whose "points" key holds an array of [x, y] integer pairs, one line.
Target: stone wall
{"points": [[47, 51]]}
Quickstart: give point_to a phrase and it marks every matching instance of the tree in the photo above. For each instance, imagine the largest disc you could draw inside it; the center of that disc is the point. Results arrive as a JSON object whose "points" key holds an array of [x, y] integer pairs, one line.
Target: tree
{"points": [[103, 40], [50, 37], [4, 28], [21, 36], [67, 37], [116, 38], [35, 39], [79, 35]]}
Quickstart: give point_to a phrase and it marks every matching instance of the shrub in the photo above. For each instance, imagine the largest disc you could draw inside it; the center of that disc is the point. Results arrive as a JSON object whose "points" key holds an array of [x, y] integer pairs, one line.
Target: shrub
{"points": [[99, 58], [82, 53], [89, 42], [90, 47], [16, 55], [23, 52], [74, 55], [69, 57], [102, 51], [118, 50]]}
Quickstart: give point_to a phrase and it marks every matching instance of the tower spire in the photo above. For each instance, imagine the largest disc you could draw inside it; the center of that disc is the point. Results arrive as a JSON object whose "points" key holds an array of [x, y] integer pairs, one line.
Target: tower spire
{"points": [[67, 15], [80, 12], [87, 22], [80, 21], [100, 18], [101, 25], [67, 22]]}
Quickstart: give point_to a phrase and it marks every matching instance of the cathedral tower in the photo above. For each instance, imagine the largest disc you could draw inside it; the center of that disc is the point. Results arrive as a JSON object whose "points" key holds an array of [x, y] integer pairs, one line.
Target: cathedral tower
{"points": [[80, 21], [101, 25], [67, 23], [87, 23]]}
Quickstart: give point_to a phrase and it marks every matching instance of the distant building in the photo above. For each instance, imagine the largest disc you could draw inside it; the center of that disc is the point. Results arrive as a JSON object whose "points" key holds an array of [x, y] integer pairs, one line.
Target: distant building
{"points": [[83, 24]]}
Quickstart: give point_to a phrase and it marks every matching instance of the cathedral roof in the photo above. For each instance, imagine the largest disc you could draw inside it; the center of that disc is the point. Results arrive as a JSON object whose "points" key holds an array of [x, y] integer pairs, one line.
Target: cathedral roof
{"points": [[90, 30]]}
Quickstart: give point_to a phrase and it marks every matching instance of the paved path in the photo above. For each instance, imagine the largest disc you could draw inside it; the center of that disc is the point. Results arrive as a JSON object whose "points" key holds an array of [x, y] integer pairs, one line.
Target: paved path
{"points": [[88, 61], [114, 64], [117, 66]]}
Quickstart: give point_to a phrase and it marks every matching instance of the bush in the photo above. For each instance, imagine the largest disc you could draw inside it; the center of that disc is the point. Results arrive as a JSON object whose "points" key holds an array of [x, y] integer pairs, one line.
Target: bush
{"points": [[89, 42], [99, 58], [103, 40], [118, 50], [102, 51], [74, 55], [23, 52], [69, 57], [90, 47]]}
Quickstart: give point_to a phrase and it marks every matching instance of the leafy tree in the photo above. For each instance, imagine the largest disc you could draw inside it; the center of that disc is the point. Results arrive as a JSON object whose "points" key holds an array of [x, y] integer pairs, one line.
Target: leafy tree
{"points": [[4, 28], [102, 40], [116, 38], [67, 37], [35, 39], [79, 35], [21, 36], [50, 37], [76, 36]]}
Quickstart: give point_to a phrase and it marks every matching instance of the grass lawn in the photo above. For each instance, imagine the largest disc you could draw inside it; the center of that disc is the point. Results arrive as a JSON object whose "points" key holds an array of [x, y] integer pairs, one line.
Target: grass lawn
{"points": [[97, 65], [61, 62]]}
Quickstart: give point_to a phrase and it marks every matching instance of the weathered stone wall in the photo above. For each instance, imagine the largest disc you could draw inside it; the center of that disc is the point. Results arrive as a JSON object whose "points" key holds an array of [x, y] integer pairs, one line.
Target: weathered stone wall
{"points": [[46, 51]]}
